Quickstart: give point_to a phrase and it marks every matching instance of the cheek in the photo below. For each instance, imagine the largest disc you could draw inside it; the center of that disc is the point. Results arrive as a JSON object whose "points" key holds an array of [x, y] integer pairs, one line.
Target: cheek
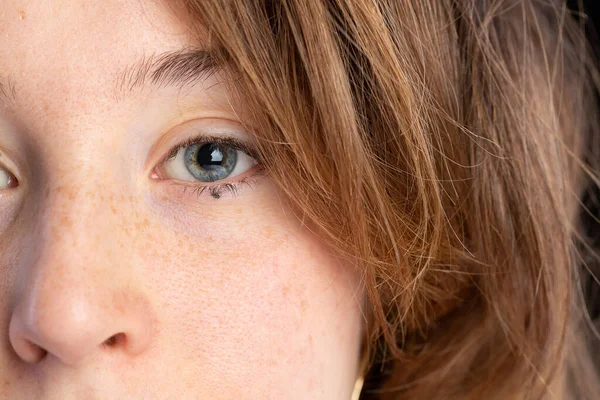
{"points": [[256, 302]]}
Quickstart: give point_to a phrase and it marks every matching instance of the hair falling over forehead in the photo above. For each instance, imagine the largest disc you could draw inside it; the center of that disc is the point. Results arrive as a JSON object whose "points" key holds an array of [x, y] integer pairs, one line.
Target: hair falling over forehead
{"points": [[442, 146]]}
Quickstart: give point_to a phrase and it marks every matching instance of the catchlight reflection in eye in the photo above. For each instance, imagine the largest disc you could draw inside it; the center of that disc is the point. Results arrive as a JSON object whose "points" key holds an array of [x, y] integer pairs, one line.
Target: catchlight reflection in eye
{"points": [[207, 162]]}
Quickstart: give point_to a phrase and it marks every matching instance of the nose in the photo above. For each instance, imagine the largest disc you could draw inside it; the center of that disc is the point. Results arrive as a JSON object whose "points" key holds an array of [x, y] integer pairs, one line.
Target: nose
{"points": [[77, 298], [72, 325]]}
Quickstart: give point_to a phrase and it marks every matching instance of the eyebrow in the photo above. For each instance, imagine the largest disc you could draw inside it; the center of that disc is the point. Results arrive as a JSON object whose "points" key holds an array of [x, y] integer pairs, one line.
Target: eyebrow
{"points": [[178, 68]]}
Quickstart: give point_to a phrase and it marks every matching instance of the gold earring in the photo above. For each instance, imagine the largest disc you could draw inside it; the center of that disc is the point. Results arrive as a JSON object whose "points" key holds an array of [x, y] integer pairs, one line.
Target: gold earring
{"points": [[358, 388], [360, 381]]}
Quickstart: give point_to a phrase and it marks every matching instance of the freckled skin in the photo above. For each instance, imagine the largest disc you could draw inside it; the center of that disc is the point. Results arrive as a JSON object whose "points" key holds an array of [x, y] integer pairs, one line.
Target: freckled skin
{"points": [[115, 286]]}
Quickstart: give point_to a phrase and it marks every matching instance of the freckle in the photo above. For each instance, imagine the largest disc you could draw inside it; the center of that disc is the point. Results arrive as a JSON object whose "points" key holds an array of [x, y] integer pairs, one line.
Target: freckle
{"points": [[113, 209], [140, 226], [65, 221], [286, 291], [268, 231]]}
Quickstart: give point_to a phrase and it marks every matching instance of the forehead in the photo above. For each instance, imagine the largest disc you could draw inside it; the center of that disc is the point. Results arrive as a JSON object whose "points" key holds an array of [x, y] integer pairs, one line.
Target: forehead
{"points": [[72, 48]]}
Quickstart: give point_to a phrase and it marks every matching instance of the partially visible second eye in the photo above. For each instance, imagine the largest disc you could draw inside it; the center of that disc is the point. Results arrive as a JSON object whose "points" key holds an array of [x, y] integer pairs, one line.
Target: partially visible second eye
{"points": [[207, 162], [7, 179]]}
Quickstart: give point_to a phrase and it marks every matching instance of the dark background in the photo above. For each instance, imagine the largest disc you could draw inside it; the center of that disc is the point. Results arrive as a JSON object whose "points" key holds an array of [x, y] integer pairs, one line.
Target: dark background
{"points": [[591, 8]]}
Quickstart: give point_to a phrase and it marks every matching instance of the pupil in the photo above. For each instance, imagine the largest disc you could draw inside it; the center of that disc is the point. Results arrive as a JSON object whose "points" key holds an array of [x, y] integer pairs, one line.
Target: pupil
{"points": [[210, 162], [210, 157]]}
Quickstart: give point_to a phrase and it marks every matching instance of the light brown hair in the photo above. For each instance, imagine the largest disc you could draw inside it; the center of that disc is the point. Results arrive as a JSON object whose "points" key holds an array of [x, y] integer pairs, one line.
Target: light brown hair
{"points": [[441, 146]]}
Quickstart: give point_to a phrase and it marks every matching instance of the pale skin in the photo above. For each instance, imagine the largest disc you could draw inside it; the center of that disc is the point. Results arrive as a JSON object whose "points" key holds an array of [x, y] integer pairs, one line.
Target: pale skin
{"points": [[119, 280]]}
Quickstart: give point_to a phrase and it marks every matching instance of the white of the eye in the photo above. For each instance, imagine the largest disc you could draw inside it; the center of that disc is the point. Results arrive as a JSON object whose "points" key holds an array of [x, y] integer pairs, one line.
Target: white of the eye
{"points": [[5, 178], [176, 169]]}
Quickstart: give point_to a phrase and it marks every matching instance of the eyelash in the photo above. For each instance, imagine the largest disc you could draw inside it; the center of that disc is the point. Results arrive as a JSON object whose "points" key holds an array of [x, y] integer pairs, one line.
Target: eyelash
{"points": [[216, 190]]}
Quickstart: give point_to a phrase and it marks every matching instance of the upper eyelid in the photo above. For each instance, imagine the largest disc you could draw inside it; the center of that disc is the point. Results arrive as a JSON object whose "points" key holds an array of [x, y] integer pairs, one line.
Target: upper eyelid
{"points": [[207, 128], [5, 167]]}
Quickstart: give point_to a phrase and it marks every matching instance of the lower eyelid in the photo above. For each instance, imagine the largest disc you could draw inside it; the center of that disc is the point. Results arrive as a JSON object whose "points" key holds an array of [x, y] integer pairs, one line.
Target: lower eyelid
{"points": [[186, 190]]}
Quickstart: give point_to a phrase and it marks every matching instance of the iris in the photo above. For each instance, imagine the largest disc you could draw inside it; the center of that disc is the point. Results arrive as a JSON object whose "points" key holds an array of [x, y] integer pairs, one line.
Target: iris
{"points": [[210, 162]]}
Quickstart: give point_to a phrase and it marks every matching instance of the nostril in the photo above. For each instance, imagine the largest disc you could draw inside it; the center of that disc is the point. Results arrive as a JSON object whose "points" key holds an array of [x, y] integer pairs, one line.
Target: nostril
{"points": [[31, 352], [114, 340]]}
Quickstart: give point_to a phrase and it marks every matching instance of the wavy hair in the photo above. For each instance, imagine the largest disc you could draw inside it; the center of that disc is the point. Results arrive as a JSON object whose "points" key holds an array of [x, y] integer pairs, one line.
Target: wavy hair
{"points": [[442, 146]]}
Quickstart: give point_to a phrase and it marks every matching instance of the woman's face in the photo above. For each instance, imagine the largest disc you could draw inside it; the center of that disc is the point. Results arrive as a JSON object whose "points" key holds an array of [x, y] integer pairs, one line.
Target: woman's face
{"points": [[132, 269]]}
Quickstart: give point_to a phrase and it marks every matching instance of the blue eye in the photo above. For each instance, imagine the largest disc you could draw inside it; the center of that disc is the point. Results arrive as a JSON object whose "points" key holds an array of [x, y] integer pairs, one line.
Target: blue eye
{"points": [[7, 179], [207, 162], [210, 162]]}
